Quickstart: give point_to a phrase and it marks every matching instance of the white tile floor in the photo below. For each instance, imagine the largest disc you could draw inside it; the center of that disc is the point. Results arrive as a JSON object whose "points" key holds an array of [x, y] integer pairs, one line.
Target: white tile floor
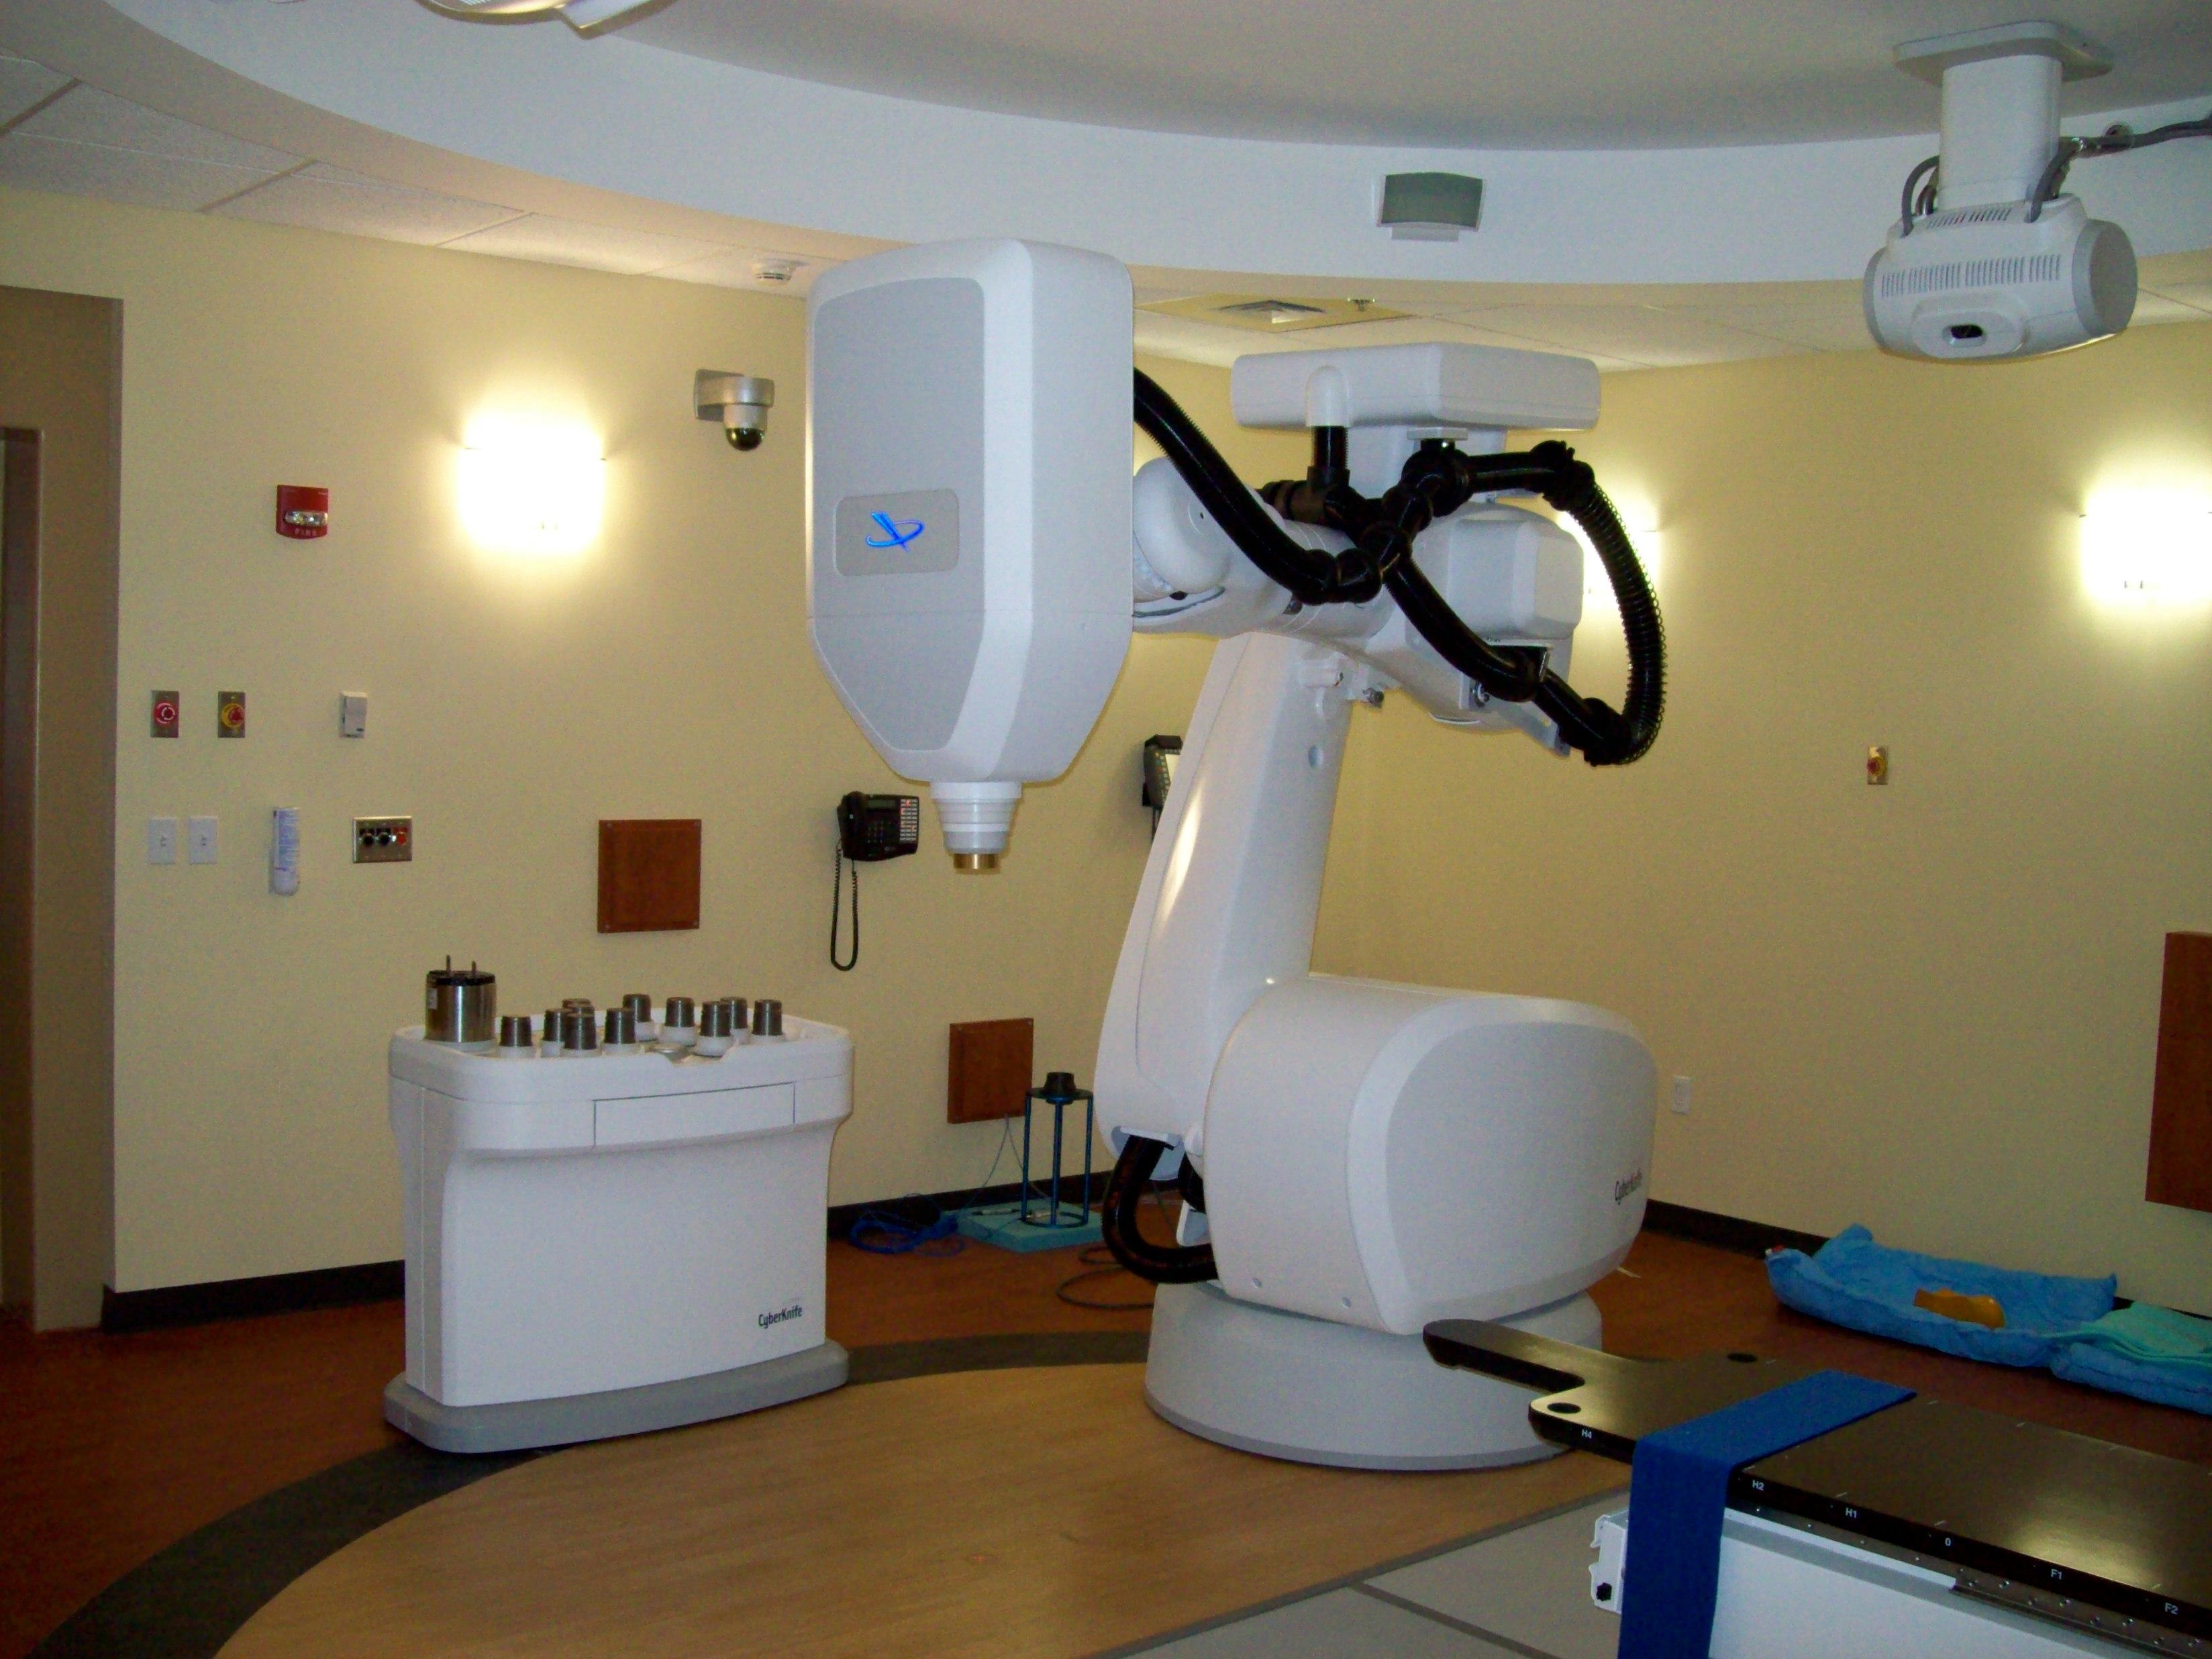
{"points": [[1524, 1590]]}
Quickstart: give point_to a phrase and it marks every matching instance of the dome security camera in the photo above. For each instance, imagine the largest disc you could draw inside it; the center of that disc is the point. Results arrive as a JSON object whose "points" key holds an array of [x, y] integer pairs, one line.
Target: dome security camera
{"points": [[739, 403]]}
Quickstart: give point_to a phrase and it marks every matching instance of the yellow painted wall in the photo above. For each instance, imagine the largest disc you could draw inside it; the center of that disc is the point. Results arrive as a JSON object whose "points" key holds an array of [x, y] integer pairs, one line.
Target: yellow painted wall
{"points": [[665, 673], [1930, 1007], [1933, 1006]]}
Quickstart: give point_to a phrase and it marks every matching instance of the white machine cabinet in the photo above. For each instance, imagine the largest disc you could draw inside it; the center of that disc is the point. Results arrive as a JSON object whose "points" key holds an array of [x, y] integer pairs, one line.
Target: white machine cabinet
{"points": [[606, 1245]]}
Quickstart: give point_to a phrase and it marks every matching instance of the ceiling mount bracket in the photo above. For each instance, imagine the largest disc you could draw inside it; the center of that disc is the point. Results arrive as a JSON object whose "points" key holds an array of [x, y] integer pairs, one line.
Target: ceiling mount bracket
{"points": [[2079, 58]]}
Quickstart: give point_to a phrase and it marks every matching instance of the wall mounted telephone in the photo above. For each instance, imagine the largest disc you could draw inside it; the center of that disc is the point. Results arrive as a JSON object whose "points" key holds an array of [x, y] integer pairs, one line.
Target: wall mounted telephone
{"points": [[873, 827], [870, 829]]}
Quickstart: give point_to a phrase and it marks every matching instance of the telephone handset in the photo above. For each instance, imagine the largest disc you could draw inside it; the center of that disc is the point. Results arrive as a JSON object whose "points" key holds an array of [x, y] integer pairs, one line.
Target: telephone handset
{"points": [[870, 829], [873, 827]]}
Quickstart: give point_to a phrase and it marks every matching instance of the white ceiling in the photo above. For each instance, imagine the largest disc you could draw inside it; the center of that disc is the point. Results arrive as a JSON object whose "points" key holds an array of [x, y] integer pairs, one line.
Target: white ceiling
{"points": [[56, 134], [619, 130], [60, 135], [1511, 74]]}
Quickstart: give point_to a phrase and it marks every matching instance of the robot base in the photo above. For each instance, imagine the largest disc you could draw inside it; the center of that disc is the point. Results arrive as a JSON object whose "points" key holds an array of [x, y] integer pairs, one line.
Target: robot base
{"points": [[515, 1425], [1283, 1385]]}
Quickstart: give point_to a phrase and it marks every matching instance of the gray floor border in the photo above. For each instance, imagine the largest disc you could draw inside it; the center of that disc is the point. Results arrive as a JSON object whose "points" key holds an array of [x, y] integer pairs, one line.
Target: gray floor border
{"points": [[1358, 1581]]}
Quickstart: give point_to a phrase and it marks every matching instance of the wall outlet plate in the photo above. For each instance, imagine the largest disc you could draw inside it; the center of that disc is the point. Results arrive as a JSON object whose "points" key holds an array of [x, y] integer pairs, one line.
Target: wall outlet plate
{"points": [[384, 841]]}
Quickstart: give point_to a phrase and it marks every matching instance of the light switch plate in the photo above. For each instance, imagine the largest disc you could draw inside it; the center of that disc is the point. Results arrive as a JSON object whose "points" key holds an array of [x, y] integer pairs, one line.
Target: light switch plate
{"points": [[160, 841], [1678, 1101], [353, 714], [199, 840], [384, 841]]}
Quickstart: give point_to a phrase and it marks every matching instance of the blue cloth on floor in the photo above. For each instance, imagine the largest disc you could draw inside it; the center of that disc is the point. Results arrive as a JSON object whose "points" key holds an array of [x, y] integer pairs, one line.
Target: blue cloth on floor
{"points": [[1853, 1281], [2153, 1354], [1678, 1494]]}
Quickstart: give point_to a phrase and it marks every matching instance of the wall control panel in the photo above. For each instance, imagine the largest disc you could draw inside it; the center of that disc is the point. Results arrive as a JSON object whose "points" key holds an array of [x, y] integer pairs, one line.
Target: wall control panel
{"points": [[384, 841]]}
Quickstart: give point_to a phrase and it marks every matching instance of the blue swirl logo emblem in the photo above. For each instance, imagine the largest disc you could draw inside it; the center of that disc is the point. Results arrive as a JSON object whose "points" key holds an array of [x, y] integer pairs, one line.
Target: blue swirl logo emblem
{"points": [[896, 532]]}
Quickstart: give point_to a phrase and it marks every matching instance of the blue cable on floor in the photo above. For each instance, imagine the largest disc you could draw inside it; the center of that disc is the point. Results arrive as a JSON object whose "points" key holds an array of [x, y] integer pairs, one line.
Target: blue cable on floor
{"points": [[889, 1233]]}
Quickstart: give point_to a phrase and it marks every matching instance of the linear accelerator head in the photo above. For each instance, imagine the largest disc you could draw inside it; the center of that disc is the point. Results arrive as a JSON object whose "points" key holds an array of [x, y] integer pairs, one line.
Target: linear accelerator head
{"points": [[967, 577]]}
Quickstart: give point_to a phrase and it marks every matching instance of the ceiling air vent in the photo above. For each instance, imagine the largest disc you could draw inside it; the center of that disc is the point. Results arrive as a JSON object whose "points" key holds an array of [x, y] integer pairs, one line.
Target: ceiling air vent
{"points": [[1429, 207], [1265, 314], [1273, 312]]}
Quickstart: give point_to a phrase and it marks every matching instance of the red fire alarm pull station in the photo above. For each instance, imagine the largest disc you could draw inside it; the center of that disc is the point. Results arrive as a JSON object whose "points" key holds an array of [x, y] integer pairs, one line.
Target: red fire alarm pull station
{"points": [[303, 512]]}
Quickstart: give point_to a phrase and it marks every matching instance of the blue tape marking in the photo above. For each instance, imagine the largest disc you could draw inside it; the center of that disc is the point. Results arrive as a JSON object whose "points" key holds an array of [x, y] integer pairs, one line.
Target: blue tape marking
{"points": [[1678, 1494]]}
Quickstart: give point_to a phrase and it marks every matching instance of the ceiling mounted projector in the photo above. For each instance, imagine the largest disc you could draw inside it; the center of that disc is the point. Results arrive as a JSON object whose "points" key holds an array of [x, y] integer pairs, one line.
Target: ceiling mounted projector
{"points": [[1987, 259], [579, 15]]}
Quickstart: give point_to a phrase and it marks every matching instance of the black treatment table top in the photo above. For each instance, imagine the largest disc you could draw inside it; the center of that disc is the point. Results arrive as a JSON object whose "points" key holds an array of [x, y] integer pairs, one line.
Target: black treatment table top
{"points": [[2094, 1534]]}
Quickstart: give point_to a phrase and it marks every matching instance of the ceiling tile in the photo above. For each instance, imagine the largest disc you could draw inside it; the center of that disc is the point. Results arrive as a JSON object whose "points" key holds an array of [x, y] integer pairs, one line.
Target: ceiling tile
{"points": [[1839, 326], [118, 175], [1189, 341], [2175, 302], [86, 115], [736, 267], [23, 83], [596, 247], [323, 197], [1643, 334], [2163, 270]]}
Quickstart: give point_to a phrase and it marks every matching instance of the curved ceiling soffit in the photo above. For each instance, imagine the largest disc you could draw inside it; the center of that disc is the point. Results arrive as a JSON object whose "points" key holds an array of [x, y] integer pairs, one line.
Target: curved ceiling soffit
{"points": [[835, 171]]}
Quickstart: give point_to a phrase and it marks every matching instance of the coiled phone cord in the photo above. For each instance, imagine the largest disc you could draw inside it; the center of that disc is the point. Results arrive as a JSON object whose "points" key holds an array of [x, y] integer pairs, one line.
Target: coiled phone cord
{"points": [[836, 911]]}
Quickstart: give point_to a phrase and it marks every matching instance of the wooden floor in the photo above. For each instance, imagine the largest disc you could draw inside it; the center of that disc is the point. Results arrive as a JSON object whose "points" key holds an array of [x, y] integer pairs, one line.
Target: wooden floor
{"points": [[1045, 1512], [113, 1448]]}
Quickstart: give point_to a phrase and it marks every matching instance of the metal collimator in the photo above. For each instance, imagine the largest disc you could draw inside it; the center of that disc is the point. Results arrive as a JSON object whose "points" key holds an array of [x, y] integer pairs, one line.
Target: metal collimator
{"points": [[767, 1018], [459, 1005]]}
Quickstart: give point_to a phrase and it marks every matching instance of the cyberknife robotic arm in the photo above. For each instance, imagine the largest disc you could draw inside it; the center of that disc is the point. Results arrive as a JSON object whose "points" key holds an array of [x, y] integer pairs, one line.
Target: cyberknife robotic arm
{"points": [[1374, 1156]]}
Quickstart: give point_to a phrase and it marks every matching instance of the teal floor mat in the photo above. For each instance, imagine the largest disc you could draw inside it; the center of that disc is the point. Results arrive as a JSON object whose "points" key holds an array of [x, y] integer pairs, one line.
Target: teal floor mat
{"points": [[1001, 1225]]}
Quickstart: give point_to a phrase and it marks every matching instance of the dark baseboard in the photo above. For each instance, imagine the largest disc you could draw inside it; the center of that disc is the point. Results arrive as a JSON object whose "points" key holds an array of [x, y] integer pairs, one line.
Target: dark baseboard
{"points": [[124, 1311], [1725, 1232], [923, 1207], [173, 1306]]}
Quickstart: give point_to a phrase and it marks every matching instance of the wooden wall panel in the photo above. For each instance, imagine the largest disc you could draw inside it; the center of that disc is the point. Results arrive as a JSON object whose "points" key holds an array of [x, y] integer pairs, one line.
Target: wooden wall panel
{"points": [[2181, 1100], [989, 1073], [648, 874]]}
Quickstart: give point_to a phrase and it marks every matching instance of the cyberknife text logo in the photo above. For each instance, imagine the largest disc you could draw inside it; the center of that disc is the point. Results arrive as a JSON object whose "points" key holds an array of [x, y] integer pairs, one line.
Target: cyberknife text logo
{"points": [[896, 532]]}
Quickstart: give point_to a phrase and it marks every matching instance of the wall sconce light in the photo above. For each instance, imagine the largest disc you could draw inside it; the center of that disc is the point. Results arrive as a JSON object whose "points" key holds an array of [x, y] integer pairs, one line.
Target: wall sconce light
{"points": [[2148, 547], [1641, 520], [531, 485]]}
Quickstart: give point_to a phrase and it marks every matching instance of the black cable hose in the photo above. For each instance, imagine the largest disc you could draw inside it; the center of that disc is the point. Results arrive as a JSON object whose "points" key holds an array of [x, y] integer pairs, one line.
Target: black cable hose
{"points": [[1160, 1264], [1438, 480], [1311, 576]]}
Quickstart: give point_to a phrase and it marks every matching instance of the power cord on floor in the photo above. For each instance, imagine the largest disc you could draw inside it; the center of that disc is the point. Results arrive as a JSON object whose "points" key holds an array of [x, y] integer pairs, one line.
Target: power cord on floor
{"points": [[1098, 1264]]}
